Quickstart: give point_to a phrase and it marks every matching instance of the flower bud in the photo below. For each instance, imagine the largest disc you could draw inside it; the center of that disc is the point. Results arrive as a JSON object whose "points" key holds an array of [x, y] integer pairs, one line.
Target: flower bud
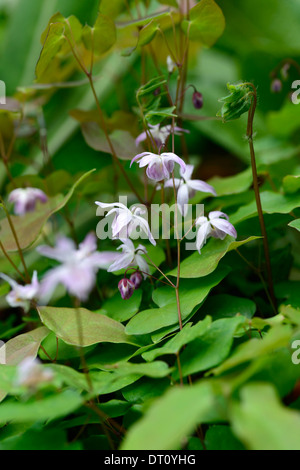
{"points": [[276, 86], [126, 288], [237, 103], [197, 100], [285, 71], [136, 279]]}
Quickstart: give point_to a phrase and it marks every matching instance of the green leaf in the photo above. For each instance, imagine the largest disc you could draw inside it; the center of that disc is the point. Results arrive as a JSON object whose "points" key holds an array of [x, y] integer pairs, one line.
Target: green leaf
{"points": [[52, 407], [220, 437], [172, 3], [112, 9], [201, 265], [25, 345], [42, 439], [122, 141], [147, 33], [285, 122], [191, 294], [121, 311], [101, 37], [53, 43], [30, 225], [211, 348], [171, 419], [272, 203], [295, 224], [277, 337], [156, 116], [206, 23], [232, 184], [55, 39], [183, 337], [95, 327], [262, 422], [291, 184], [156, 369], [224, 306]]}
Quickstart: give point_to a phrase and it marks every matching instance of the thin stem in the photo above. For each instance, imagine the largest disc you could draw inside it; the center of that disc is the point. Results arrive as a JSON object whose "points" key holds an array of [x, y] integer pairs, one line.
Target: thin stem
{"points": [[80, 338], [102, 120], [178, 256], [169, 256], [257, 193], [158, 269], [113, 152], [11, 261], [16, 239]]}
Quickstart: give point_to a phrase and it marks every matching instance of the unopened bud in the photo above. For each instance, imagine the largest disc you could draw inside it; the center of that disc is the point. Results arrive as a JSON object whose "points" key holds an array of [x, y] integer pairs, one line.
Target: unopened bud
{"points": [[136, 279], [197, 100], [126, 288], [285, 71], [276, 85], [171, 64]]}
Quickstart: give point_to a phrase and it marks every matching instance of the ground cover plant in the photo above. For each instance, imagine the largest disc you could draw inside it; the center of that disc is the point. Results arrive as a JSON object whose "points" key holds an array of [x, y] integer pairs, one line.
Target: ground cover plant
{"points": [[149, 225]]}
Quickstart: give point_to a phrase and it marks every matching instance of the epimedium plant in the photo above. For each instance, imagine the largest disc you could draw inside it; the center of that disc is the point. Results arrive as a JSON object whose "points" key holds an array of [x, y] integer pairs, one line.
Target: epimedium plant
{"points": [[166, 344]]}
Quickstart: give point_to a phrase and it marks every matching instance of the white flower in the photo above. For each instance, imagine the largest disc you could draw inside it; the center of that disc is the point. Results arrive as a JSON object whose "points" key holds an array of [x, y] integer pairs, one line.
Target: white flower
{"points": [[30, 372], [21, 296], [216, 225], [171, 64], [126, 220], [160, 166], [131, 256], [159, 134], [78, 268], [25, 199], [188, 187]]}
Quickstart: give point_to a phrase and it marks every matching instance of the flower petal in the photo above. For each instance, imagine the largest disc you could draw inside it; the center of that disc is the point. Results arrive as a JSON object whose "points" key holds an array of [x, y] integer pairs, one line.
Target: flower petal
{"points": [[200, 185], [183, 199], [202, 235], [225, 227]]}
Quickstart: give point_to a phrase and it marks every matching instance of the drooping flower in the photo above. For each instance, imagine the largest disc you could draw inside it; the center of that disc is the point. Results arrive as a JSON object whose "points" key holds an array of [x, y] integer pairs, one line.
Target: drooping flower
{"points": [[78, 268], [130, 256], [217, 225], [276, 85], [137, 279], [197, 100], [21, 296], [159, 134], [126, 288], [30, 372], [25, 199], [187, 188], [160, 166], [127, 220]]}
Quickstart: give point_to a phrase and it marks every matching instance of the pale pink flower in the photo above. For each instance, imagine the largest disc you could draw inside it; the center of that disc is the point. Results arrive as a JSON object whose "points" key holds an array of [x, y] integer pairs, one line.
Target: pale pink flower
{"points": [[78, 268], [159, 167], [126, 220], [158, 134], [130, 256], [187, 188], [21, 296], [217, 225], [25, 199]]}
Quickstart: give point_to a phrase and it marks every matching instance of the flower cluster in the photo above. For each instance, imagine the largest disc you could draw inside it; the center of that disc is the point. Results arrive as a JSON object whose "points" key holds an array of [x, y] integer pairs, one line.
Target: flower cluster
{"points": [[78, 266]]}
